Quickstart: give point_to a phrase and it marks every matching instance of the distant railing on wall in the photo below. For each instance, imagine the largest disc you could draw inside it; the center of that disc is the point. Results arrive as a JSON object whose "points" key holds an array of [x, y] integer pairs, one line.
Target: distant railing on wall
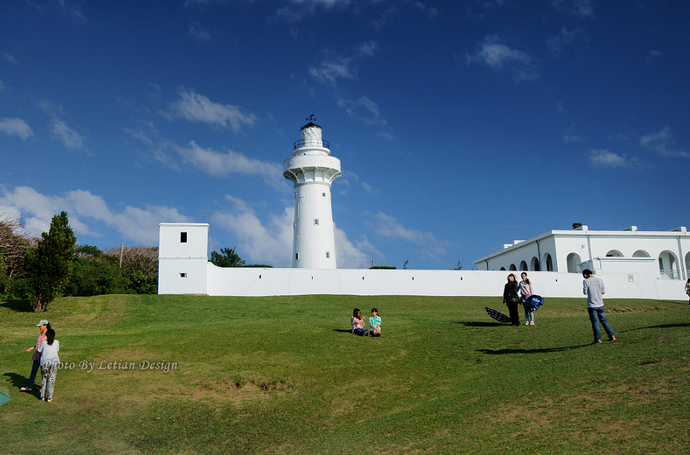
{"points": [[311, 143], [670, 275]]}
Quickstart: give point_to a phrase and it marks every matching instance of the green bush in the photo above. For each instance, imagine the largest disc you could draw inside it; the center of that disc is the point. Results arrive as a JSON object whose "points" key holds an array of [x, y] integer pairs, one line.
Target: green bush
{"points": [[90, 277]]}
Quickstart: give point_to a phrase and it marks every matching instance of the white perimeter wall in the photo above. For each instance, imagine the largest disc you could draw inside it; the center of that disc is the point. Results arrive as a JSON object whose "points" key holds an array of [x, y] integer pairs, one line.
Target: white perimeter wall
{"points": [[257, 282]]}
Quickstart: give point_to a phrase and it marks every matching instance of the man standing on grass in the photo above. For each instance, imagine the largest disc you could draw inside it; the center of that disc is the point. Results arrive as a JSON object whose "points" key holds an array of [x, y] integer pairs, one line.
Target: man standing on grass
{"points": [[594, 288]]}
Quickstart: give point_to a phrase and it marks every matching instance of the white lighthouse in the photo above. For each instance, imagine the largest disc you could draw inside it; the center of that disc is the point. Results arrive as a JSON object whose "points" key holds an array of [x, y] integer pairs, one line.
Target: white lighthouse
{"points": [[312, 169]]}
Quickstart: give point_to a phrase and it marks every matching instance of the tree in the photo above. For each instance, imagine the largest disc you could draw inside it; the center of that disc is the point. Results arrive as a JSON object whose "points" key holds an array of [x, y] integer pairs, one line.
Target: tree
{"points": [[138, 269], [92, 273], [226, 258], [49, 265], [13, 246]]}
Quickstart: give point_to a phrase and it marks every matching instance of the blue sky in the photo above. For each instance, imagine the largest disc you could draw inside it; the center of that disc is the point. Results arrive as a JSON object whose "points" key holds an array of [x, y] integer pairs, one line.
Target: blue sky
{"points": [[460, 125]]}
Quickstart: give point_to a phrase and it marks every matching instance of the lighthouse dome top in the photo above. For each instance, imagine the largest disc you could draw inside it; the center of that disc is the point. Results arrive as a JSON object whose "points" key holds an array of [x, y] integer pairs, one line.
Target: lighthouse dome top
{"points": [[311, 137], [310, 125]]}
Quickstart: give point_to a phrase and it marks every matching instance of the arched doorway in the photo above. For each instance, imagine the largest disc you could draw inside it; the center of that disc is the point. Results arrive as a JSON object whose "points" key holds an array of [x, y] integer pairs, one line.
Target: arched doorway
{"points": [[512, 267], [549, 262], [668, 266], [574, 263], [535, 264], [523, 266], [641, 254]]}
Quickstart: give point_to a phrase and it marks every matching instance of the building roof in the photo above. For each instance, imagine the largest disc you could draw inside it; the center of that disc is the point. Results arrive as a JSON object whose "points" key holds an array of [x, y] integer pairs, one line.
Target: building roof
{"points": [[584, 231]]}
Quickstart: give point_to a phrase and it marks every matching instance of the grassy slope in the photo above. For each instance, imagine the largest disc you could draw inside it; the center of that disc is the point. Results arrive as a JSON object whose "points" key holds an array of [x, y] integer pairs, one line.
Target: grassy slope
{"points": [[283, 374]]}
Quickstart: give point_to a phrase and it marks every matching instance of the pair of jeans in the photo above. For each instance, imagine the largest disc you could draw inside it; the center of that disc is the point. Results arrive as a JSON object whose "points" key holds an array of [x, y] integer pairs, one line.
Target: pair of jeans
{"points": [[359, 332], [529, 314], [597, 315], [34, 372]]}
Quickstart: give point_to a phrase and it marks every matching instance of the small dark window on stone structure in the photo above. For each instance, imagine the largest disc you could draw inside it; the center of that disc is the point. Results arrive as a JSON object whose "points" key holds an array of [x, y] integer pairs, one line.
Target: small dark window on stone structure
{"points": [[183, 237]]}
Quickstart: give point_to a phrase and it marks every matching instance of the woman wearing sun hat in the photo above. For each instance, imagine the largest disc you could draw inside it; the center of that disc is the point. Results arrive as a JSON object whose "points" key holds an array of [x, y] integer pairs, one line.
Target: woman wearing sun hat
{"points": [[43, 327]]}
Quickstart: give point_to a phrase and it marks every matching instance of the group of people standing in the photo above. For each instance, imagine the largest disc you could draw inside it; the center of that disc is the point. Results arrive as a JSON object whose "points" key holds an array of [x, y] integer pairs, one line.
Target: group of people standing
{"points": [[358, 323], [515, 293], [46, 357]]}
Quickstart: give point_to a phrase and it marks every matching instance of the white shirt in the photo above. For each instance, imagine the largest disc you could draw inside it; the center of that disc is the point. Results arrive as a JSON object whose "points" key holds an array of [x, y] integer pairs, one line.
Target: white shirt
{"points": [[49, 352]]}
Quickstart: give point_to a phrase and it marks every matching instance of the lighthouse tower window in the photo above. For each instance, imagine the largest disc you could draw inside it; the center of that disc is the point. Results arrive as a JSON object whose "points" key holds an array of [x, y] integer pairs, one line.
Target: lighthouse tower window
{"points": [[316, 221], [183, 237], [296, 256], [323, 194], [328, 255]]}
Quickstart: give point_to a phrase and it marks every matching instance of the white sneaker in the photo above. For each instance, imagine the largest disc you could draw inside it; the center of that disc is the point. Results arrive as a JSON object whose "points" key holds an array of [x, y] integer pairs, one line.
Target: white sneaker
{"points": [[531, 323], [527, 323]]}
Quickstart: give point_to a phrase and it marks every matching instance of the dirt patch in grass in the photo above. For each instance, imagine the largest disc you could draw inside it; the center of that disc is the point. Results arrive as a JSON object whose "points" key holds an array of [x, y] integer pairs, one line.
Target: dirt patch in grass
{"points": [[234, 391], [614, 310]]}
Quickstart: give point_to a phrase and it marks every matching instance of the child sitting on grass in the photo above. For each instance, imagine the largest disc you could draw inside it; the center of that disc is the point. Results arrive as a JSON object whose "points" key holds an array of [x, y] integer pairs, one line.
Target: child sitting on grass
{"points": [[375, 323], [358, 323]]}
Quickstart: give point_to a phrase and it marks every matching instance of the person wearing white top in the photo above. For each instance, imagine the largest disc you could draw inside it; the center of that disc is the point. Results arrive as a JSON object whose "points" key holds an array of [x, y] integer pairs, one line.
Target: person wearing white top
{"points": [[49, 364]]}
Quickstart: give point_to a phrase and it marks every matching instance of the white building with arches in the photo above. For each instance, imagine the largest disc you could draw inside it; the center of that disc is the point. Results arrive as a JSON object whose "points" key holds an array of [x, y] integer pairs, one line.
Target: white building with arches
{"points": [[661, 254]]}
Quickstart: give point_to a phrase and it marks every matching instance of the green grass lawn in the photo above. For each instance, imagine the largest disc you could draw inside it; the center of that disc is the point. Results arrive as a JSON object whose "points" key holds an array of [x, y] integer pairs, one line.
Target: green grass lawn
{"points": [[284, 375]]}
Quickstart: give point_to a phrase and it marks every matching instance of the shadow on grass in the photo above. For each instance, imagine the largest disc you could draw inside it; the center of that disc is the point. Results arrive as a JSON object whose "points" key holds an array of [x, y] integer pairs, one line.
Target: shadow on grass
{"points": [[18, 305], [483, 324], [661, 326], [343, 330], [530, 351], [19, 381]]}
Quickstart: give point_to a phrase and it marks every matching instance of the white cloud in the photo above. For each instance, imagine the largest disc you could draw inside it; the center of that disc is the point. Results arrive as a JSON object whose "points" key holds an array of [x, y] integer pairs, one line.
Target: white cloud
{"points": [[663, 143], [564, 40], [582, 8], [60, 132], [301, 8], [73, 9], [329, 72], [10, 58], [368, 49], [363, 109], [199, 108], [334, 68], [223, 164], [198, 32], [271, 243], [496, 55], [429, 10], [355, 255], [70, 8], [15, 127], [606, 158], [369, 189], [85, 211], [572, 138], [326, 3], [387, 226]]}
